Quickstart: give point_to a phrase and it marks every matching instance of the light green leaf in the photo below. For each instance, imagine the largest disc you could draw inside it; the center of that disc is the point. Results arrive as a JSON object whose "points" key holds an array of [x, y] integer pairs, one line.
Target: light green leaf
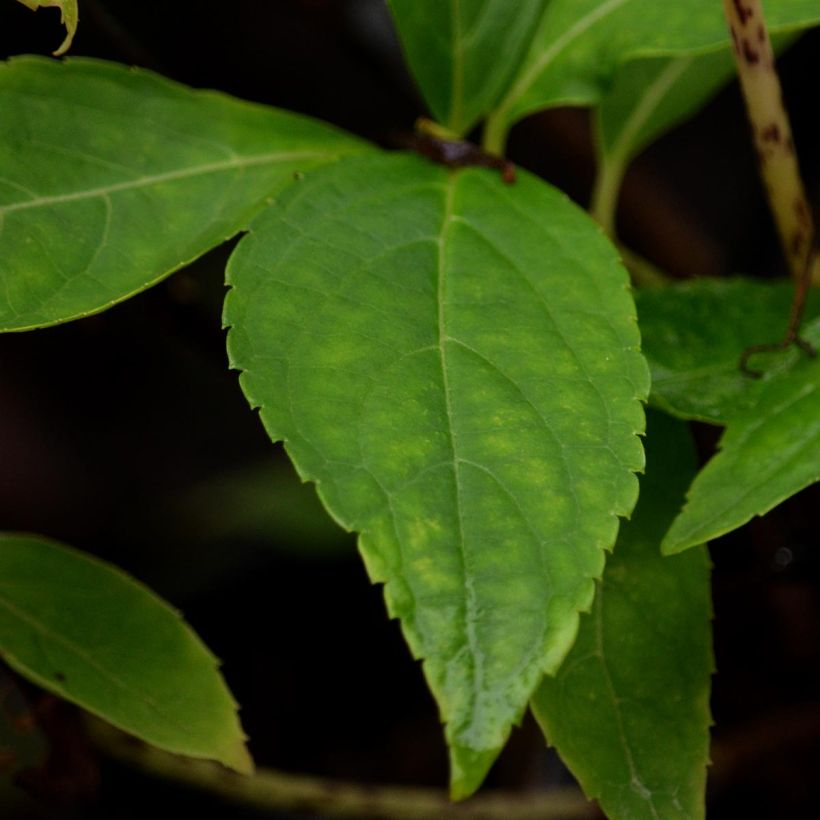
{"points": [[69, 16], [454, 362], [580, 44], [85, 631], [628, 711], [464, 52], [771, 447], [113, 178]]}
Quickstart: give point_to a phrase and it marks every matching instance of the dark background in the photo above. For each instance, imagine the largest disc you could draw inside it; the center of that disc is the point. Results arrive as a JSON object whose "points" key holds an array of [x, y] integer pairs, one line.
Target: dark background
{"points": [[125, 434]]}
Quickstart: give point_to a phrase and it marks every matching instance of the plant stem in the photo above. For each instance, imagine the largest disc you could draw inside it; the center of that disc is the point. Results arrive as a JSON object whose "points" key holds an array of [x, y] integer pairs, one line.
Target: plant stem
{"points": [[642, 272], [282, 792], [771, 130], [494, 137], [605, 192]]}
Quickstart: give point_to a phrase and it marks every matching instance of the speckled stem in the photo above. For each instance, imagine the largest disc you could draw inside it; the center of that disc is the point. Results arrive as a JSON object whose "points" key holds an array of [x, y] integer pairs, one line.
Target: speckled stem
{"points": [[771, 130]]}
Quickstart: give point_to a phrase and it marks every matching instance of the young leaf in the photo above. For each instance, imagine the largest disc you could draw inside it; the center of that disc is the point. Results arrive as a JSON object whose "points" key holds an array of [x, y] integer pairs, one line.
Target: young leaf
{"points": [[771, 447], [463, 52], [113, 178], [579, 45], [85, 631], [454, 362], [69, 17], [628, 710]]}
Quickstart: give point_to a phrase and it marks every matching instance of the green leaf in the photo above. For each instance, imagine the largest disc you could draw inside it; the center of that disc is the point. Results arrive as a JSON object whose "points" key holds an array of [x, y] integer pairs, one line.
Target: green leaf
{"points": [[648, 97], [771, 447], [454, 362], [464, 52], [580, 44], [69, 16], [628, 710], [695, 358], [85, 631], [113, 178]]}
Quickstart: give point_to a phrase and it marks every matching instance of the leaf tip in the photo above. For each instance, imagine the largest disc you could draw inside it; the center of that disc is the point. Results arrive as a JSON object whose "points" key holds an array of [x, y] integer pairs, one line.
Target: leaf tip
{"points": [[468, 768], [238, 759]]}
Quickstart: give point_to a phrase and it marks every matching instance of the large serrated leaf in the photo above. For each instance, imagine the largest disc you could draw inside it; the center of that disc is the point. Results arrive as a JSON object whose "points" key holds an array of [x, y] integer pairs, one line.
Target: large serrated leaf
{"points": [[87, 632], [454, 362], [771, 447], [580, 45], [628, 710], [113, 178], [464, 52]]}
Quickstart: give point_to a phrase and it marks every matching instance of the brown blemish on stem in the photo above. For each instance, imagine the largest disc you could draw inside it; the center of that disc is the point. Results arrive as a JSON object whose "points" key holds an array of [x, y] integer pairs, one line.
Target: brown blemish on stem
{"points": [[776, 159], [454, 153]]}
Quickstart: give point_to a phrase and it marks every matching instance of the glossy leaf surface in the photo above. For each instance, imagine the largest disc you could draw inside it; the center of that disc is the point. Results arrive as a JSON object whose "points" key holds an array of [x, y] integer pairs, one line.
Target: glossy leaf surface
{"points": [[113, 178], [464, 52], [87, 632], [771, 447], [580, 44], [454, 362], [628, 711]]}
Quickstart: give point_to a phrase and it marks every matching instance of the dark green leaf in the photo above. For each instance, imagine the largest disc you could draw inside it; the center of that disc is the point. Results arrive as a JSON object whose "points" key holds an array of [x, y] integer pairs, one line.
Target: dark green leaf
{"points": [[464, 52], [693, 336], [454, 362], [628, 710], [87, 632], [113, 178]]}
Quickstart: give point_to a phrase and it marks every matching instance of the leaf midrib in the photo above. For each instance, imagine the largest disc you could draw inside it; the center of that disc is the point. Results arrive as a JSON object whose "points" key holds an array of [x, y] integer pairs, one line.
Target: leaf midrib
{"points": [[166, 176], [528, 77], [44, 631]]}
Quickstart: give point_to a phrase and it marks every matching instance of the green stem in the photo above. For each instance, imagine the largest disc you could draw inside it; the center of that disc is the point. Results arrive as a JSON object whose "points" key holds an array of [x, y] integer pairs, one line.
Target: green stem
{"points": [[605, 192], [281, 792], [494, 138], [642, 272]]}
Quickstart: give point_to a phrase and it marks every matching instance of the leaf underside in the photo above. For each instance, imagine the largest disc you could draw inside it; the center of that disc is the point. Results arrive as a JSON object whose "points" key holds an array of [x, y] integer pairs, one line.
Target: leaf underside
{"points": [[454, 362], [85, 631], [628, 710], [771, 447], [580, 44], [113, 178], [463, 52]]}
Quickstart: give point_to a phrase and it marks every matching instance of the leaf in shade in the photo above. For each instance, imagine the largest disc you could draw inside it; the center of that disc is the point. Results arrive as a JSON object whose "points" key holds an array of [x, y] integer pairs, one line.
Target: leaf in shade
{"points": [[651, 96], [464, 52], [771, 447], [87, 632], [628, 711], [579, 45], [454, 362], [113, 178]]}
